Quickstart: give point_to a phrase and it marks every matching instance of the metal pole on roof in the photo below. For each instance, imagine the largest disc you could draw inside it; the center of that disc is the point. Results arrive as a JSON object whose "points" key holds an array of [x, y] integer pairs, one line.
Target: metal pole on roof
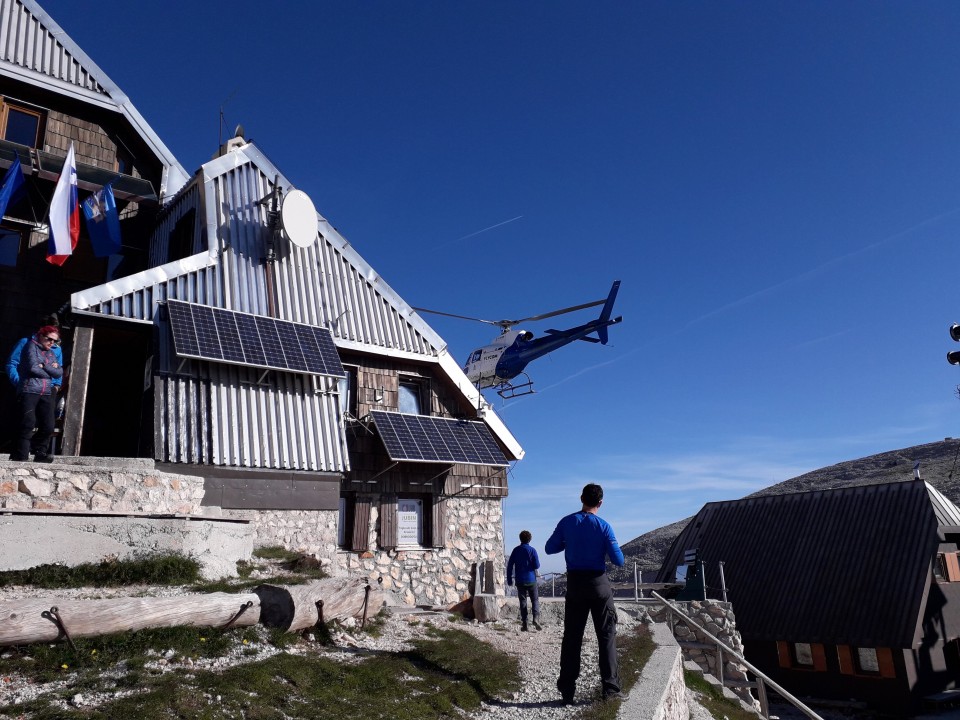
{"points": [[723, 582], [636, 584]]}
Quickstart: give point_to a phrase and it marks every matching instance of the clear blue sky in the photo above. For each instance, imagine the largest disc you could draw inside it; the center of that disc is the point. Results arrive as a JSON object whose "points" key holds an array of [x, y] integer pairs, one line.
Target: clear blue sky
{"points": [[777, 184]]}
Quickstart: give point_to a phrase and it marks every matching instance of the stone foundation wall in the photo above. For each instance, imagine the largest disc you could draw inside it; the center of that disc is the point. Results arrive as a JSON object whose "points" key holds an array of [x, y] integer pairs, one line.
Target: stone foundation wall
{"points": [[718, 619], [437, 576], [312, 532], [78, 488]]}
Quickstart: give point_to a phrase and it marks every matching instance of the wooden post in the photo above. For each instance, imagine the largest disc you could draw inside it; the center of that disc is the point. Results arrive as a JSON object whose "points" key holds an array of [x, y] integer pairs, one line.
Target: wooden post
{"points": [[77, 392]]}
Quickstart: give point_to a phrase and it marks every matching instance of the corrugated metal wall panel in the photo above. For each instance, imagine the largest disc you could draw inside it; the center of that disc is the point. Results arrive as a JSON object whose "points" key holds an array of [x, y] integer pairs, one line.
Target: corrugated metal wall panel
{"points": [[26, 43]]}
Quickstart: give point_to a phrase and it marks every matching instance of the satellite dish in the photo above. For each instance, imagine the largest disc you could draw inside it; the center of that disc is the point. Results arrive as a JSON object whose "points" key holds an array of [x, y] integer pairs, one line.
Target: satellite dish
{"points": [[298, 217]]}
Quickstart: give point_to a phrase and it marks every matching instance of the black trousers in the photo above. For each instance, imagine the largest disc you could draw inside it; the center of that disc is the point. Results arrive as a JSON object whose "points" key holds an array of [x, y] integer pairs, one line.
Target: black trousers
{"points": [[588, 593], [36, 411]]}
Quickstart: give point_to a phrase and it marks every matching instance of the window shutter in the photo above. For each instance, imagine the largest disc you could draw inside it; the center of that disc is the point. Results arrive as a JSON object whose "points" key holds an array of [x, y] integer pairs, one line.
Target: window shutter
{"points": [[819, 656], [360, 530], [885, 661], [845, 657], [783, 653], [388, 522], [438, 527], [953, 567]]}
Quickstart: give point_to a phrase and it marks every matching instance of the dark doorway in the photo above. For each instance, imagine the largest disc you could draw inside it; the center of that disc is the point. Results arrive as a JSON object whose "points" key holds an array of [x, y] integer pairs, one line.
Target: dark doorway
{"points": [[118, 414]]}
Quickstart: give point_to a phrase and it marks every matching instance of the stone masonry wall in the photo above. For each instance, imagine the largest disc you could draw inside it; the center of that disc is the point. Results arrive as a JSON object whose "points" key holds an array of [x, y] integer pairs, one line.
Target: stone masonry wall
{"points": [[719, 620], [437, 576], [312, 532], [78, 488]]}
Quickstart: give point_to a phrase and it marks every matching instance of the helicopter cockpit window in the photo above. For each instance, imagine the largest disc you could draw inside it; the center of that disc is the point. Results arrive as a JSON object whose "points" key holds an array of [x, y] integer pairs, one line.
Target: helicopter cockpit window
{"points": [[476, 356]]}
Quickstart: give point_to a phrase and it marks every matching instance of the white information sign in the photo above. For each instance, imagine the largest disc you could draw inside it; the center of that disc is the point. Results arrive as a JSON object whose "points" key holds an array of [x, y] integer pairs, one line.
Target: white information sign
{"points": [[409, 522]]}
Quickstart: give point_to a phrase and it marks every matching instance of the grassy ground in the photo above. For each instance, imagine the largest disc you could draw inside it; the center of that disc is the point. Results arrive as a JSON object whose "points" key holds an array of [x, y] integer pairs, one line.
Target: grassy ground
{"points": [[269, 674], [713, 700]]}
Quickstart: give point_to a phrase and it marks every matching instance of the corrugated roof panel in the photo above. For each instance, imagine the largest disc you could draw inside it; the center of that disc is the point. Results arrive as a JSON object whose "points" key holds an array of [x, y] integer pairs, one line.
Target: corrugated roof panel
{"points": [[844, 566]]}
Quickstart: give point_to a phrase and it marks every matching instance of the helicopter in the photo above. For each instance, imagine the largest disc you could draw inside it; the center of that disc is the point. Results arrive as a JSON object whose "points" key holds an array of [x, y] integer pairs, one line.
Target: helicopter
{"points": [[499, 364]]}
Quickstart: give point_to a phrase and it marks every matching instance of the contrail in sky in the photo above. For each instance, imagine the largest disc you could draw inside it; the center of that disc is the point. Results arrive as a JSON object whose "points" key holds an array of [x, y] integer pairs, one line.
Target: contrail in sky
{"points": [[823, 266], [483, 231]]}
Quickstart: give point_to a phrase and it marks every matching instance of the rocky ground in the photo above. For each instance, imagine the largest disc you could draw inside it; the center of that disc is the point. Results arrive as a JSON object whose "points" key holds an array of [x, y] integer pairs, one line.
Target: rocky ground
{"points": [[539, 653]]}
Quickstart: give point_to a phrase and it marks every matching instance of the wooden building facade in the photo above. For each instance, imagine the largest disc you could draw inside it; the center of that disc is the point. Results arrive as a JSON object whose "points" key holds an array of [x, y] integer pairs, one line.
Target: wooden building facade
{"points": [[844, 594]]}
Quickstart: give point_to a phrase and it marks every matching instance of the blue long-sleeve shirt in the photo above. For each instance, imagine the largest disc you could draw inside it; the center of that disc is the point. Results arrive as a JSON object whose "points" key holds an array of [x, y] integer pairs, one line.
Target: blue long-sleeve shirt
{"points": [[14, 361], [524, 562], [586, 541]]}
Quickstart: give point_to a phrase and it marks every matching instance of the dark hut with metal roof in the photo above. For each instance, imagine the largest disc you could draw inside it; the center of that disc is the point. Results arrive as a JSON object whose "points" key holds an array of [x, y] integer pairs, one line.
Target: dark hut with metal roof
{"points": [[852, 593]]}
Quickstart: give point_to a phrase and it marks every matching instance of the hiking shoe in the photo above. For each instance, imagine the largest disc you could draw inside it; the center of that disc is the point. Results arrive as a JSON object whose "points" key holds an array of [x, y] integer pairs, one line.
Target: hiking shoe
{"points": [[614, 696], [16, 457], [43, 458], [524, 628], [536, 624], [566, 695]]}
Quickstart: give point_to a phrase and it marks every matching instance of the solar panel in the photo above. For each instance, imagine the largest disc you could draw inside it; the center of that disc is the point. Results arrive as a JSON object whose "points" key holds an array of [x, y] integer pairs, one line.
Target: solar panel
{"points": [[419, 438], [239, 338]]}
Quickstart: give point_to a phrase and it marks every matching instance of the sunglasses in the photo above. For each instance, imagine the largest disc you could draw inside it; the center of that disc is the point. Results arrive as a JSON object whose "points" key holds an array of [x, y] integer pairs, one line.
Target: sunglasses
{"points": [[55, 341]]}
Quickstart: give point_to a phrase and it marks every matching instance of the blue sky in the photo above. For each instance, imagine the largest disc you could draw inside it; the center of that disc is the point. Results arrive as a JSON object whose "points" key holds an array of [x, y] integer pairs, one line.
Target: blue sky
{"points": [[777, 185]]}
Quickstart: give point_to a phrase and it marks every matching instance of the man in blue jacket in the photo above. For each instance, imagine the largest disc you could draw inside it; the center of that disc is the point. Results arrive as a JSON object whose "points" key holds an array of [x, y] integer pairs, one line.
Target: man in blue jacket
{"points": [[525, 561], [587, 541], [37, 368]]}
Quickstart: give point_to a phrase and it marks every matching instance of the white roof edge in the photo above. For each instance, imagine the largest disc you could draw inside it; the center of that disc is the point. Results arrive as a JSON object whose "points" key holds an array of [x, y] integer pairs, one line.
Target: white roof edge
{"points": [[141, 280], [172, 165]]}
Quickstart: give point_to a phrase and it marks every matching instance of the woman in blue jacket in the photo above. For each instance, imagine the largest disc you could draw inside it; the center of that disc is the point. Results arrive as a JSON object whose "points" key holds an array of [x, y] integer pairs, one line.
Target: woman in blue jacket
{"points": [[36, 399]]}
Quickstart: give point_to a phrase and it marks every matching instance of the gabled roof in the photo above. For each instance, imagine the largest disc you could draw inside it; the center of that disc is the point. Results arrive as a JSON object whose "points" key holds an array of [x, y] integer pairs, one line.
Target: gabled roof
{"points": [[327, 284], [845, 566], [36, 50]]}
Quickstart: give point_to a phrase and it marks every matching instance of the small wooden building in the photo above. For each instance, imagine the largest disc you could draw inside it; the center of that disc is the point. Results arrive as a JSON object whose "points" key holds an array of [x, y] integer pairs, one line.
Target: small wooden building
{"points": [[845, 594], [287, 373]]}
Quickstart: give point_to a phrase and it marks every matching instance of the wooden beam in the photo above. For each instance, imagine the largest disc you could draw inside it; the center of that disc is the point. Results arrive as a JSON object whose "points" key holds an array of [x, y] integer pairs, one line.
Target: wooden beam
{"points": [[77, 391]]}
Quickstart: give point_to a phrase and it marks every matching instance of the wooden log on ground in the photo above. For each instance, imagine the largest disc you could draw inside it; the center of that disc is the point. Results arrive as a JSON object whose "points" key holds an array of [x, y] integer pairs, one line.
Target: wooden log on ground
{"points": [[33, 620], [294, 607]]}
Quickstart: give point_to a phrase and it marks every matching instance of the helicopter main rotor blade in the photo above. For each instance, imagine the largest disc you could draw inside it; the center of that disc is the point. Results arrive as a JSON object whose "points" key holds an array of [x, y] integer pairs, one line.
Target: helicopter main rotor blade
{"points": [[460, 317], [560, 312]]}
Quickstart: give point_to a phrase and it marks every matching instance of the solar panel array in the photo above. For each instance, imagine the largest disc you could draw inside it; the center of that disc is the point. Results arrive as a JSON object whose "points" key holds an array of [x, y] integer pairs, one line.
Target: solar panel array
{"points": [[419, 438], [210, 333]]}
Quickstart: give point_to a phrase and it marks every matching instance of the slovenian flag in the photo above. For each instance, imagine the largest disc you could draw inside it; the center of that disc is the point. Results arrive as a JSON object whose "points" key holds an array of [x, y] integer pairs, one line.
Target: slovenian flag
{"points": [[64, 214]]}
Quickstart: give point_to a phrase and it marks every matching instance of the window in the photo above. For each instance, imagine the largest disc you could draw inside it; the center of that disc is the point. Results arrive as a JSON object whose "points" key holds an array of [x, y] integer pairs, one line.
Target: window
{"points": [[347, 392], [412, 396], [409, 522], [412, 521], [22, 124], [867, 661], [803, 654], [124, 162]]}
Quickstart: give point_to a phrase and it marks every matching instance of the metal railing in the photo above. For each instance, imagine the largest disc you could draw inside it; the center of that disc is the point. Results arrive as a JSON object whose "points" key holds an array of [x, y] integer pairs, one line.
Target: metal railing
{"points": [[762, 680]]}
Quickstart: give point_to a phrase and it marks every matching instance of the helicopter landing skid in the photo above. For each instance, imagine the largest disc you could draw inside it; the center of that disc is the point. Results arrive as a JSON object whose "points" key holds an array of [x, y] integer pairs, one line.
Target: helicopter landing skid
{"points": [[508, 391]]}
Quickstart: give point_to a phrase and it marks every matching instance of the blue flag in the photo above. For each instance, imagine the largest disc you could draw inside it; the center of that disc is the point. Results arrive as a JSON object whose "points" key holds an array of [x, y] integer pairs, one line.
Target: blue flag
{"points": [[103, 223], [12, 187]]}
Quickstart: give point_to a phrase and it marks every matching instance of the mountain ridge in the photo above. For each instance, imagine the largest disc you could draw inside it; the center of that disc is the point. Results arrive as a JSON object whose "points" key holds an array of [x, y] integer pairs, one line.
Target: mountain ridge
{"points": [[938, 463]]}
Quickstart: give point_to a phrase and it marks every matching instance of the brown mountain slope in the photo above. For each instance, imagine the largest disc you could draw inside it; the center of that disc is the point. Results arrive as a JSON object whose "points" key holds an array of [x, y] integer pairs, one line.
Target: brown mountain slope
{"points": [[938, 466]]}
